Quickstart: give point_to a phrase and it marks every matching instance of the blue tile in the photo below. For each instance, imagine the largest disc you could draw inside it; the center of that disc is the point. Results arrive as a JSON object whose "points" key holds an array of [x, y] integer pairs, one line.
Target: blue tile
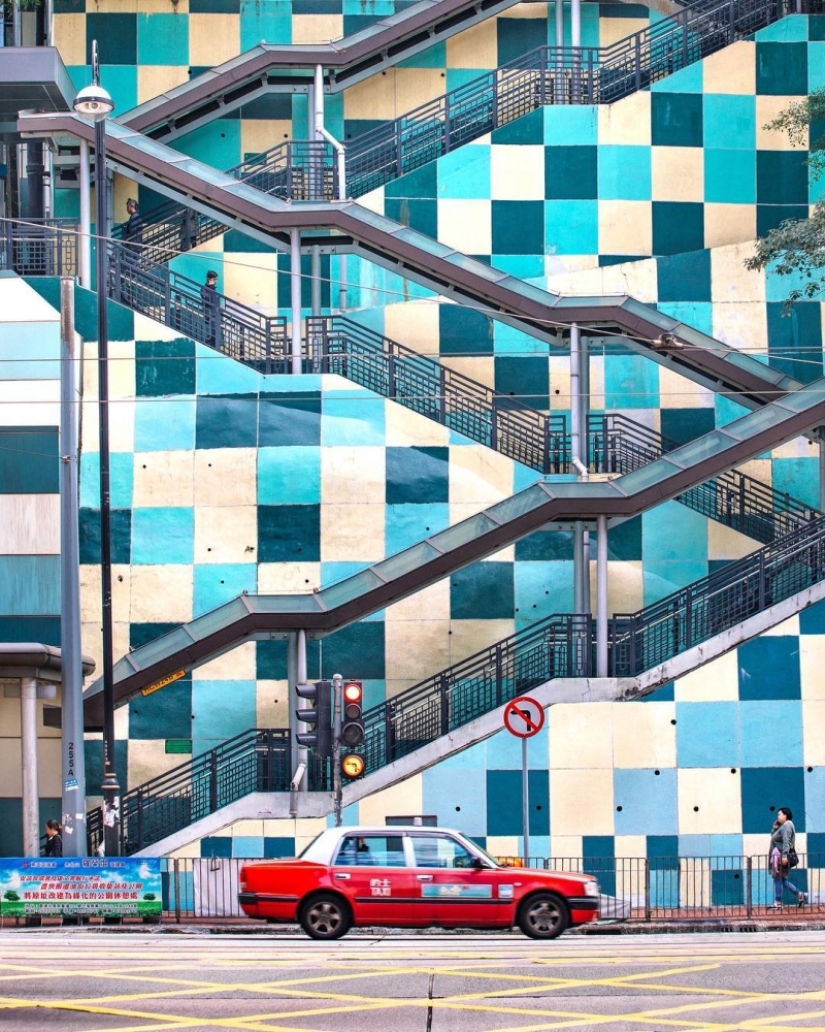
{"points": [[417, 474], [289, 475], [535, 596], [407, 524], [248, 846], [227, 421], [731, 119], [276, 848], [685, 80], [165, 425], [707, 734], [353, 418], [222, 709], [289, 418], [730, 177], [163, 535], [458, 797], [664, 850], [770, 730], [660, 543], [217, 144], [764, 790], [631, 381], [769, 668], [215, 584], [271, 22], [697, 314], [216, 846], [797, 477], [663, 577], [29, 585], [219, 374], [624, 173], [121, 473], [812, 619], [38, 342], [571, 125], [726, 845], [163, 39], [483, 591], [572, 227], [289, 533], [814, 783], [790, 29], [647, 800], [694, 845]]}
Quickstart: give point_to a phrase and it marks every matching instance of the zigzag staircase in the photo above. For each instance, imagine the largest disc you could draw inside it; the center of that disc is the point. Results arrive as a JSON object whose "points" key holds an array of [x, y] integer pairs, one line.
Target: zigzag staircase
{"points": [[547, 653], [302, 170]]}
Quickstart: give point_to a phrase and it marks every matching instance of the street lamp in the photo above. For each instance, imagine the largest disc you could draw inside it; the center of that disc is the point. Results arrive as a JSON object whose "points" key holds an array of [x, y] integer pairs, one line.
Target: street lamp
{"points": [[93, 104]]}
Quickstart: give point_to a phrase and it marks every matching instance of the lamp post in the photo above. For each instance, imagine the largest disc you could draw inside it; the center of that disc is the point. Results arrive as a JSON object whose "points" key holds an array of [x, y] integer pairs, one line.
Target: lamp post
{"points": [[93, 104]]}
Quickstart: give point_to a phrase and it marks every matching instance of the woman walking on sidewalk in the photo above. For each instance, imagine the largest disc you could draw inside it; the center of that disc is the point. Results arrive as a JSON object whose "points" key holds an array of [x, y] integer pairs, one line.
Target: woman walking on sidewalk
{"points": [[782, 851]]}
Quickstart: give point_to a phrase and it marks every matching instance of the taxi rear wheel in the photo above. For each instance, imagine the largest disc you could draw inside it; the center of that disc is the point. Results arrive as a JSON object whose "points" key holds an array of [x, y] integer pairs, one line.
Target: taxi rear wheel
{"points": [[543, 916], [325, 916]]}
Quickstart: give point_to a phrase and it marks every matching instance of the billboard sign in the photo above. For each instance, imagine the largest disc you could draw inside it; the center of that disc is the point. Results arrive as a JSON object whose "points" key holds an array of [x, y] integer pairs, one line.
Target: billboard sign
{"points": [[82, 886]]}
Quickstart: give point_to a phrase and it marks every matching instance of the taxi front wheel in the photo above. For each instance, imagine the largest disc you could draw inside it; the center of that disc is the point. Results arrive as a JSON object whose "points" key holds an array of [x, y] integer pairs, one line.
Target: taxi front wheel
{"points": [[325, 916], [543, 916]]}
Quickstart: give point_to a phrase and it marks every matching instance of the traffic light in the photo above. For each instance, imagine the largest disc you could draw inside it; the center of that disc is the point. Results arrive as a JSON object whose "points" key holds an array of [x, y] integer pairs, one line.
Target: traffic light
{"points": [[352, 724], [319, 737]]}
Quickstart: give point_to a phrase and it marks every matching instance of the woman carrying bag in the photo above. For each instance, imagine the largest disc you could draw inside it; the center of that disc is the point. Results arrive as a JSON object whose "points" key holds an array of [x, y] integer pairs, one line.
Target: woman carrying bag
{"points": [[782, 857]]}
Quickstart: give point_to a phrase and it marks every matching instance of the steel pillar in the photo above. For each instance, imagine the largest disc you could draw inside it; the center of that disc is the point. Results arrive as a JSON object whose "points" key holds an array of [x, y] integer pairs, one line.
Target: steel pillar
{"points": [[601, 598], [28, 741]]}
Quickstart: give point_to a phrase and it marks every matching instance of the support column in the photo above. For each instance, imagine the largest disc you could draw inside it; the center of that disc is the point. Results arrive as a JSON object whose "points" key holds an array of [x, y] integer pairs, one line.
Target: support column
{"points": [[85, 218], [295, 293], [73, 771], [584, 455], [316, 280], [559, 23], [601, 598], [28, 738], [298, 753], [576, 41], [576, 458], [822, 469]]}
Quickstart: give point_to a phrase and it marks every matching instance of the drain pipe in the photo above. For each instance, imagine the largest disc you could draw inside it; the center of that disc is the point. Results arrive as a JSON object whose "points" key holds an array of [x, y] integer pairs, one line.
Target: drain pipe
{"points": [[576, 461], [295, 787], [601, 597], [85, 218], [321, 132], [822, 469], [295, 297]]}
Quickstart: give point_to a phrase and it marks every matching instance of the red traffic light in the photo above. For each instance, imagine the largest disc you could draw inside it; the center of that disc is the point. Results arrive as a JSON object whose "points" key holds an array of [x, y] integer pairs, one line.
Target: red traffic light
{"points": [[353, 691]]}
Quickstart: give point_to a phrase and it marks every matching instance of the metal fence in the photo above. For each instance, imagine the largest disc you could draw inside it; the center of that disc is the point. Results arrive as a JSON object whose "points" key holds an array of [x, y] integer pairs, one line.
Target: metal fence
{"points": [[637, 889], [39, 247]]}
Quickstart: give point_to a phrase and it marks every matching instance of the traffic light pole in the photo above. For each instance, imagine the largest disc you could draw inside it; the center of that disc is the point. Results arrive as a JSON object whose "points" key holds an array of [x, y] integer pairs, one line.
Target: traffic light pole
{"points": [[337, 702]]}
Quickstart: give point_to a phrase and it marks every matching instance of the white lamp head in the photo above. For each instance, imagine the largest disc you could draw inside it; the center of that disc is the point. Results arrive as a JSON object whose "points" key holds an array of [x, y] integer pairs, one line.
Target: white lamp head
{"points": [[93, 103]]}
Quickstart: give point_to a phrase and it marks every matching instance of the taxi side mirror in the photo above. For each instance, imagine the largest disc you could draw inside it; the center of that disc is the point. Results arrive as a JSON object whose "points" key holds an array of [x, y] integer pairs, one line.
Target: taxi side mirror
{"points": [[478, 864]]}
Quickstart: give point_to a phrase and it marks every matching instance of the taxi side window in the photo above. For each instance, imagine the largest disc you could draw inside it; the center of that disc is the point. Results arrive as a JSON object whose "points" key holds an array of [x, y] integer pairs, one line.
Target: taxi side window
{"points": [[440, 852], [371, 851]]}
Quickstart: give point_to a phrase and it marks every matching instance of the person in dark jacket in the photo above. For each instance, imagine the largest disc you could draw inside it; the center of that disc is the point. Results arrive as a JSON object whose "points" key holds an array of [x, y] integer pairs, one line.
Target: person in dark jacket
{"points": [[211, 309], [54, 840], [133, 226]]}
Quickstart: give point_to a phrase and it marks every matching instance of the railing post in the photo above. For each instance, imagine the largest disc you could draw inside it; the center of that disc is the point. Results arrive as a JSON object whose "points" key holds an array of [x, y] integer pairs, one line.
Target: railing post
{"points": [[444, 697], [177, 890], [399, 147], [268, 347], [761, 591], [391, 389], [446, 149], [749, 885], [647, 888], [731, 21], [213, 781], [637, 61], [499, 677], [494, 421], [139, 818], [270, 763], [685, 39]]}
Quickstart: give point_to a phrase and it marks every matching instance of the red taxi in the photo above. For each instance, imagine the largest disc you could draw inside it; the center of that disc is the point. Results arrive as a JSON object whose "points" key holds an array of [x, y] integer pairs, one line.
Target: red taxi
{"points": [[411, 877]]}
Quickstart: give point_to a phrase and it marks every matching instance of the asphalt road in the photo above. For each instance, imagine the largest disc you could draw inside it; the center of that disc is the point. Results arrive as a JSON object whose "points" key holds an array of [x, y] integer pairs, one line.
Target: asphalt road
{"points": [[78, 980]]}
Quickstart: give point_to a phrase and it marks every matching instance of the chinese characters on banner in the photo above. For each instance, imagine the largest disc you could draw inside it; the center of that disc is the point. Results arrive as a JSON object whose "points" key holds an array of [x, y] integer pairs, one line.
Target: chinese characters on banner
{"points": [[85, 887]]}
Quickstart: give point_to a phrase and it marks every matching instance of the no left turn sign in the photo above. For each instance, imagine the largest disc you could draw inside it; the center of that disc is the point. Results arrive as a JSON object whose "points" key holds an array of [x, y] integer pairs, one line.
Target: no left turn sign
{"points": [[524, 717]]}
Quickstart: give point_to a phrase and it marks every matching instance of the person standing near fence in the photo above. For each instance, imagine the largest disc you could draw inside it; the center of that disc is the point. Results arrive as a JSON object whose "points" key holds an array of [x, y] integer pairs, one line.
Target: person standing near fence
{"points": [[782, 857], [211, 309]]}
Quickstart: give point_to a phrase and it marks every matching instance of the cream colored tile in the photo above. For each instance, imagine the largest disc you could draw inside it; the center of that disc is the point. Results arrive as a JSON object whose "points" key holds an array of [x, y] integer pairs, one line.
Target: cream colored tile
{"points": [[528, 10], [709, 799], [476, 47], [567, 790], [29, 524], [730, 280], [798, 448], [148, 329], [625, 227], [767, 110], [644, 736], [611, 30], [10, 766], [716, 682], [626, 122], [352, 533], [148, 759], [121, 425], [226, 476], [479, 476], [373, 98], [742, 325], [272, 704], [724, 543], [153, 80], [317, 28], [121, 369], [404, 428], [288, 578], [788, 628], [164, 479], [732, 70], [161, 593], [631, 845], [214, 38], [516, 174], [48, 768], [565, 846], [415, 650], [236, 665], [729, 224], [434, 601], [466, 225], [258, 135], [811, 665], [415, 86], [227, 534], [251, 279], [581, 736], [680, 392], [503, 846], [677, 173], [480, 368], [9, 721], [400, 800], [813, 741], [625, 587], [344, 467], [90, 592], [70, 37], [414, 324], [162, 6], [191, 851], [471, 636]]}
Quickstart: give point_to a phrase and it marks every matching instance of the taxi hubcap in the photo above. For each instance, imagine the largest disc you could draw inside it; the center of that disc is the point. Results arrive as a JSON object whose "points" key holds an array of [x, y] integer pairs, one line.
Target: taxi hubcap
{"points": [[324, 917], [543, 915]]}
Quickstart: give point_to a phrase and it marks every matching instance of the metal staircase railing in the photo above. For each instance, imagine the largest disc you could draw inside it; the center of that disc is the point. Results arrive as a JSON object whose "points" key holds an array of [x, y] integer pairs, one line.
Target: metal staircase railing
{"points": [[39, 247], [303, 170], [558, 646]]}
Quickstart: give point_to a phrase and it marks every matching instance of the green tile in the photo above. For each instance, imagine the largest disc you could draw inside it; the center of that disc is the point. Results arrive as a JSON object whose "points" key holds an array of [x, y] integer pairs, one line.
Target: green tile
{"points": [[781, 177], [116, 36], [782, 69], [483, 591], [164, 367], [678, 226], [684, 277], [518, 227], [676, 120], [570, 173], [29, 460], [166, 713], [289, 533], [464, 331], [417, 475]]}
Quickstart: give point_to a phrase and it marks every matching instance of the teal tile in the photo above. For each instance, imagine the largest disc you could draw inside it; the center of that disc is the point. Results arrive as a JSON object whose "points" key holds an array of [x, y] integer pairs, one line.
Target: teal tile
{"points": [[121, 479], [790, 29], [678, 226], [631, 381], [662, 578], [163, 714], [270, 22], [163, 535], [221, 710], [164, 367], [465, 173], [782, 69], [660, 541], [352, 418], [524, 266], [217, 144], [685, 80], [248, 847], [29, 585], [67, 204], [433, 57], [116, 36], [525, 130], [508, 340], [676, 119], [163, 39], [684, 277], [407, 524], [483, 591], [730, 176], [219, 374], [798, 477], [624, 173], [291, 474], [215, 584], [572, 227], [571, 125], [730, 120], [165, 424], [29, 460], [570, 173], [816, 65], [535, 595], [697, 314], [121, 82]]}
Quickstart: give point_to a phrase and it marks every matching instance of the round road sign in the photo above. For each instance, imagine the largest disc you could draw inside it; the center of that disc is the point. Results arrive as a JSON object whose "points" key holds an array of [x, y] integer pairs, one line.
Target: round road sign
{"points": [[524, 717]]}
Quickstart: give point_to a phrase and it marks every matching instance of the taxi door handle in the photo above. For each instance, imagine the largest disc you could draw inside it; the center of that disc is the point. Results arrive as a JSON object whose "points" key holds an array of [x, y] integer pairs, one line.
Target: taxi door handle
{"points": [[425, 877], [341, 875]]}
